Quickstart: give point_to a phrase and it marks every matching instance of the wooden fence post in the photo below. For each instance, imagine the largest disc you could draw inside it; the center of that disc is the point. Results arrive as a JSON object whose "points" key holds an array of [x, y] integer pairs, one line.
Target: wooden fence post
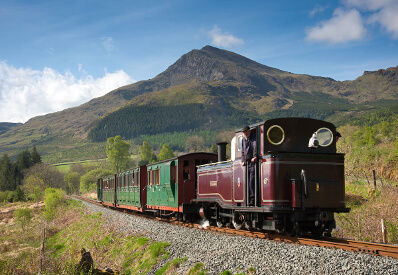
{"points": [[42, 251], [374, 178], [383, 231]]}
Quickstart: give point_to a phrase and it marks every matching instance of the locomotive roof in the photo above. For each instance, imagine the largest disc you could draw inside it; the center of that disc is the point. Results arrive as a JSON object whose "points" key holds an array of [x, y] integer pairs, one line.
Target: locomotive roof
{"points": [[275, 120], [180, 156]]}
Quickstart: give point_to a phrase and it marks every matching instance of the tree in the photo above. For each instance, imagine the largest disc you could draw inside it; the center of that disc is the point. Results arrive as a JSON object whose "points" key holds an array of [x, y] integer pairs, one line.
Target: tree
{"points": [[88, 181], [54, 198], [6, 174], [18, 194], [23, 216], [194, 144], [214, 148], [32, 184], [36, 158], [73, 181], [166, 152], [24, 160], [117, 151], [146, 154], [44, 176]]}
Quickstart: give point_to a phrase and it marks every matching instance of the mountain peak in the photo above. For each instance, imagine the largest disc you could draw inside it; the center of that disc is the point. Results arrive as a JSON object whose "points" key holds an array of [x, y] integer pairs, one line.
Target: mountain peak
{"points": [[213, 64]]}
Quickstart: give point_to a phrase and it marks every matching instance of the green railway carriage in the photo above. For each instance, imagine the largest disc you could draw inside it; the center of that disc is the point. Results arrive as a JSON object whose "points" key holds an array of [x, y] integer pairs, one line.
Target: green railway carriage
{"points": [[125, 190], [106, 190], [163, 187], [172, 183], [130, 188]]}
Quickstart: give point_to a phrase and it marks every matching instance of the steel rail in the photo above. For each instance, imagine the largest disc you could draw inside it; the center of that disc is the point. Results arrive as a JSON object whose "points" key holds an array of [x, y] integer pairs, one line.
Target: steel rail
{"points": [[377, 249]]}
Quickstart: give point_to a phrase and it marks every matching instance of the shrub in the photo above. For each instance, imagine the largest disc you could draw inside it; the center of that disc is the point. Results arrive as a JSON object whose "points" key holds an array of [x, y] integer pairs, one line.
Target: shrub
{"points": [[5, 196], [54, 198], [19, 195], [392, 232], [23, 216]]}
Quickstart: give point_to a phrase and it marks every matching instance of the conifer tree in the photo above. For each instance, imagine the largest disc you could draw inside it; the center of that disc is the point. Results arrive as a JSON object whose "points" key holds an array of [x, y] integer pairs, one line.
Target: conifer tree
{"points": [[6, 175], [36, 158]]}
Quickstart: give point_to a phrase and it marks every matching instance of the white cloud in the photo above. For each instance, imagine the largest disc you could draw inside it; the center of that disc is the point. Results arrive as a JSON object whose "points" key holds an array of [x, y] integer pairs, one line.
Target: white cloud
{"points": [[224, 39], [318, 9], [107, 43], [345, 25], [388, 19], [368, 5], [25, 93]]}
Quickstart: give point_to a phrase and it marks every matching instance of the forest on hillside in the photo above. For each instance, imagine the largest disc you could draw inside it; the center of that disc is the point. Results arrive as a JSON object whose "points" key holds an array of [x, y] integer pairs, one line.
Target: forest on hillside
{"points": [[134, 121]]}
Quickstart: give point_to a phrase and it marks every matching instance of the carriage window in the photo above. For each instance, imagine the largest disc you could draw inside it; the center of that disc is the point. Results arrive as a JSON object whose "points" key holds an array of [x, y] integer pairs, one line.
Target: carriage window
{"points": [[240, 140], [157, 176], [149, 178], [275, 135], [325, 137]]}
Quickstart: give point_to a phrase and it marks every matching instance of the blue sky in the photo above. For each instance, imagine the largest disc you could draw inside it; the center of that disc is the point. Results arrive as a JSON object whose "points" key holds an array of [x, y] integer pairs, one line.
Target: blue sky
{"points": [[59, 54]]}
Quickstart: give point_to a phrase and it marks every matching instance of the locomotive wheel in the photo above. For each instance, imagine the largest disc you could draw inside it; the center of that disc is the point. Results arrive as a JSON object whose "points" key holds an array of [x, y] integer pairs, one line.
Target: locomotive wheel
{"points": [[219, 223], [290, 229], [185, 218], [237, 224], [316, 231], [247, 225]]}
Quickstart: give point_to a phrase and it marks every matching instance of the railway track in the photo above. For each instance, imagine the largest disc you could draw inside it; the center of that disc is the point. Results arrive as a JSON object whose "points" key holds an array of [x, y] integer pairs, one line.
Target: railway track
{"points": [[377, 249]]}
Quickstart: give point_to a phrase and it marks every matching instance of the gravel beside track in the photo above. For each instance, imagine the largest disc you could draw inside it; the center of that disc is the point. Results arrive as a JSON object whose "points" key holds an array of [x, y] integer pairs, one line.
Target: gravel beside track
{"points": [[237, 254]]}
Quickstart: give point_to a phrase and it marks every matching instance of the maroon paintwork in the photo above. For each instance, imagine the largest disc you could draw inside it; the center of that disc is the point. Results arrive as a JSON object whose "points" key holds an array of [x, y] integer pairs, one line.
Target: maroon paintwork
{"points": [[280, 183], [186, 187]]}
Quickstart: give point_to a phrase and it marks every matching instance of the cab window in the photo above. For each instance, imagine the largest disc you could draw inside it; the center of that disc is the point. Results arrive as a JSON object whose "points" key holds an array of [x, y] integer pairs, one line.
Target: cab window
{"points": [[240, 142]]}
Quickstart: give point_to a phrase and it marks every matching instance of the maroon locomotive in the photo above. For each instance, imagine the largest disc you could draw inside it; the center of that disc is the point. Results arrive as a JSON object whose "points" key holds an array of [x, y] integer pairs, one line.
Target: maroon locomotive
{"points": [[299, 180]]}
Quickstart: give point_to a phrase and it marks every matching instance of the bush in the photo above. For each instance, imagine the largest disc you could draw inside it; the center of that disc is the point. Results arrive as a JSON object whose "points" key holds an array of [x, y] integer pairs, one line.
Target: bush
{"points": [[5, 196], [23, 216], [392, 232], [54, 198], [19, 195]]}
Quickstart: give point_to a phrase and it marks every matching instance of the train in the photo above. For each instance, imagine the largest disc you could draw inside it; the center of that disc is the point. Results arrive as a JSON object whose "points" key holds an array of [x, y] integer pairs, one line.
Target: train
{"points": [[298, 182]]}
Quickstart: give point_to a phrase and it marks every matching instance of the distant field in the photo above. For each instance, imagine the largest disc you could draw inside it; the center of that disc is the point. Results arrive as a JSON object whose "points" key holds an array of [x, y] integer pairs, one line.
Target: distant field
{"points": [[64, 167]]}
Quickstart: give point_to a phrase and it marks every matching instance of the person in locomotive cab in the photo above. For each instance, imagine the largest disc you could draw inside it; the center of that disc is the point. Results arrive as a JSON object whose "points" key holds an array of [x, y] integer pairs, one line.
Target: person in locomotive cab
{"points": [[186, 172], [249, 158]]}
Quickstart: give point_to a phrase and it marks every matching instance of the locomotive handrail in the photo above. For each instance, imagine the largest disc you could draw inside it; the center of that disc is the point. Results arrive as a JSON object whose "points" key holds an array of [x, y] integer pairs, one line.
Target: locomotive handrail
{"points": [[214, 163], [305, 184]]}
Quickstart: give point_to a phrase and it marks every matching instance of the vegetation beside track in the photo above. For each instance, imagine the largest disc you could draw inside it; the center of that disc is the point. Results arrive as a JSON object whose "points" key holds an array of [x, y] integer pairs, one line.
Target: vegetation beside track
{"points": [[369, 208], [67, 232]]}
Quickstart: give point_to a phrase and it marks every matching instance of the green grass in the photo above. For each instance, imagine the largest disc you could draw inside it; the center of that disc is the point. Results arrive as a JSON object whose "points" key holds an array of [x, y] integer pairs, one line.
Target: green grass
{"points": [[65, 166]]}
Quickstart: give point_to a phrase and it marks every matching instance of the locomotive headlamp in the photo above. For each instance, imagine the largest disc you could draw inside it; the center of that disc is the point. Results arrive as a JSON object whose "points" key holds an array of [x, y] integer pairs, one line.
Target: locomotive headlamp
{"points": [[313, 143]]}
